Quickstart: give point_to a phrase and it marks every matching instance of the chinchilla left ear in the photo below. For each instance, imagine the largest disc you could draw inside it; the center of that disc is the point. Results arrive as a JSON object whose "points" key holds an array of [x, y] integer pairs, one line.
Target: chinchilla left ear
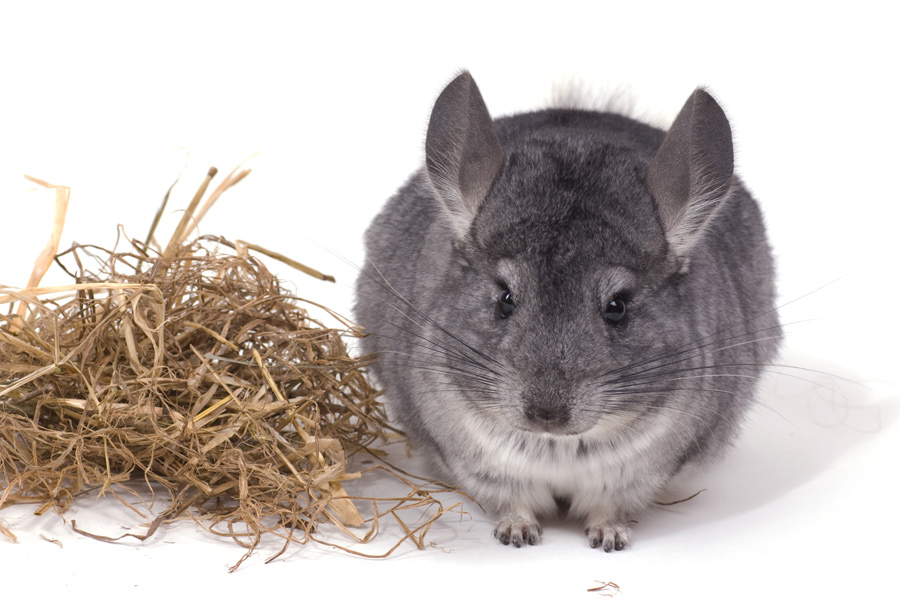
{"points": [[692, 172]]}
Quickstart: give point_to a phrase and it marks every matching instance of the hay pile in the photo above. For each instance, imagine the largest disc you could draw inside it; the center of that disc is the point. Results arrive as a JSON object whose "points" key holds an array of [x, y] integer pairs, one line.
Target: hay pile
{"points": [[192, 370]]}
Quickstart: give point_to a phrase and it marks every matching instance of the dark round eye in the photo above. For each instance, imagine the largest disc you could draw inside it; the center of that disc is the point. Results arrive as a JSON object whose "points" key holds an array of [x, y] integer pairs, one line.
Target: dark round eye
{"points": [[505, 303], [615, 310]]}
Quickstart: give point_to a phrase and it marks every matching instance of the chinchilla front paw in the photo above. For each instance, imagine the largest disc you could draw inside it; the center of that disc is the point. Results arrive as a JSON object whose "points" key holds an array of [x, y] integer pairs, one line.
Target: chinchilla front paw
{"points": [[517, 530], [609, 536]]}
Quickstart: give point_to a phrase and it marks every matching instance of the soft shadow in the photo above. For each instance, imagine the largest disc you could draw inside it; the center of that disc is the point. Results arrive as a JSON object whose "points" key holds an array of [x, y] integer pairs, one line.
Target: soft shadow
{"points": [[806, 420]]}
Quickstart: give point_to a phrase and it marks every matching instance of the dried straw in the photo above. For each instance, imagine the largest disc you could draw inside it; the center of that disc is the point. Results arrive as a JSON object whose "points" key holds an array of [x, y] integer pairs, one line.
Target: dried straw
{"points": [[190, 369], [606, 588]]}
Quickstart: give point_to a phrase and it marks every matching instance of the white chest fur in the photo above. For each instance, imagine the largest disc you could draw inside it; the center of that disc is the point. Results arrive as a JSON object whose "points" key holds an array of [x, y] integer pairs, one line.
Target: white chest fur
{"points": [[507, 469]]}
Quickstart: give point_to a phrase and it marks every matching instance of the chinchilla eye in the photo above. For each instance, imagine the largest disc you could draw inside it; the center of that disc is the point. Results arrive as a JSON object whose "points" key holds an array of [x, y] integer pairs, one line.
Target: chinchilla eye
{"points": [[505, 303], [614, 310]]}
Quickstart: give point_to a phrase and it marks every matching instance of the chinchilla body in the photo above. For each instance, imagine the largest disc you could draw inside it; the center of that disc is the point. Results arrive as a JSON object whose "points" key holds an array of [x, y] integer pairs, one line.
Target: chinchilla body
{"points": [[569, 306]]}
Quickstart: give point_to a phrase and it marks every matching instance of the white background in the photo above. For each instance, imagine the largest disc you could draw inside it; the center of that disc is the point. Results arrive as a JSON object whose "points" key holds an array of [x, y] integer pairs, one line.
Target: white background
{"points": [[114, 99]]}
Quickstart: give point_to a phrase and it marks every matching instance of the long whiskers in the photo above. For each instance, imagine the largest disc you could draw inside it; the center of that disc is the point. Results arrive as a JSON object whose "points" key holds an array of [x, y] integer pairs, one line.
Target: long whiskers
{"points": [[692, 344], [386, 285], [442, 349]]}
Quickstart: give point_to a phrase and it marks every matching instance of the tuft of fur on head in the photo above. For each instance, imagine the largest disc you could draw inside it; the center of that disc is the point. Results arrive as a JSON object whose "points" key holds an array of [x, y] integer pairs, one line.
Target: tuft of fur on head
{"points": [[575, 93]]}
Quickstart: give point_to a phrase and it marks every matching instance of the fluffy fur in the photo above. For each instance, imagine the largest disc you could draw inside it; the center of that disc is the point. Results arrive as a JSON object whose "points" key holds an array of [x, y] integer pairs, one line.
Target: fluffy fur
{"points": [[557, 406]]}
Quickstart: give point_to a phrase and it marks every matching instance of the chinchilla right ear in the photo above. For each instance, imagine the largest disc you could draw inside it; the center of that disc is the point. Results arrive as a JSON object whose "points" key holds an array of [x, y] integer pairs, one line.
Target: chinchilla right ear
{"points": [[462, 153], [691, 174]]}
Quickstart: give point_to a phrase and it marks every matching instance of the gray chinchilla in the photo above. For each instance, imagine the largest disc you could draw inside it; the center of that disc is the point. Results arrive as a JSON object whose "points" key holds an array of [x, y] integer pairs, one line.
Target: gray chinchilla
{"points": [[569, 306]]}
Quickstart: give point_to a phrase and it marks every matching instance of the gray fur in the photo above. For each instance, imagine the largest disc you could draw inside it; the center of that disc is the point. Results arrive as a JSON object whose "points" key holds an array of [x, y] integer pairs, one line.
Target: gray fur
{"points": [[556, 405]]}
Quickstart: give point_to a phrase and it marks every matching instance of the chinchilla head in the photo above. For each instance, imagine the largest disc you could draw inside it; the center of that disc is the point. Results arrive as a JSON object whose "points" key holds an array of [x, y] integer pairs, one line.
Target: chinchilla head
{"points": [[572, 248]]}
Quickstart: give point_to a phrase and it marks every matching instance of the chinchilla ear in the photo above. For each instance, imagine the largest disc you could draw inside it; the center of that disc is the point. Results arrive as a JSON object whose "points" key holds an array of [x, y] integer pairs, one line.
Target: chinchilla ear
{"points": [[691, 174], [462, 152]]}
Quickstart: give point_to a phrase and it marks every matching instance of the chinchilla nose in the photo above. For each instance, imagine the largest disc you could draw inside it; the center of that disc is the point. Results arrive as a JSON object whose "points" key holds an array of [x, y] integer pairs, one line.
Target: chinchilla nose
{"points": [[547, 417], [546, 408]]}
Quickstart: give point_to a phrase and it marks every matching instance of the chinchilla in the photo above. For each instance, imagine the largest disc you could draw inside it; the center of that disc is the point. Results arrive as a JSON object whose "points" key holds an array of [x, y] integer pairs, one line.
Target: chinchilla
{"points": [[569, 306]]}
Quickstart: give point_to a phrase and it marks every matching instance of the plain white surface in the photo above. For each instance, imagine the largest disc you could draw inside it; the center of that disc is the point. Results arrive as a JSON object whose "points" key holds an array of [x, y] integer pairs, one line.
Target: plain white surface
{"points": [[114, 99]]}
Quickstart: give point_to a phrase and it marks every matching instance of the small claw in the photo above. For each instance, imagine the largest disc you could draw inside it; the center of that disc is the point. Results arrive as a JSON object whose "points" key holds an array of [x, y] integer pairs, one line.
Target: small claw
{"points": [[503, 536]]}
